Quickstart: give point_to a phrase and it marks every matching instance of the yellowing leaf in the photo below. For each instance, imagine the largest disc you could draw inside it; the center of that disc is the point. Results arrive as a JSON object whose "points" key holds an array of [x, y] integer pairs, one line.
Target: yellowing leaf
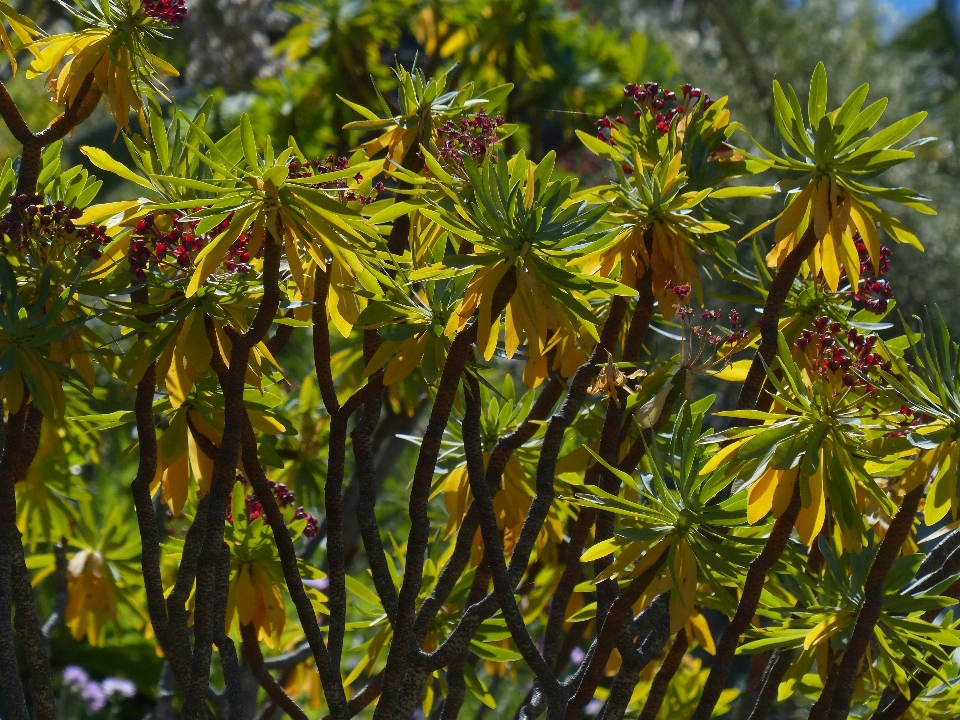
{"points": [[101, 159], [735, 371], [684, 596], [212, 254]]}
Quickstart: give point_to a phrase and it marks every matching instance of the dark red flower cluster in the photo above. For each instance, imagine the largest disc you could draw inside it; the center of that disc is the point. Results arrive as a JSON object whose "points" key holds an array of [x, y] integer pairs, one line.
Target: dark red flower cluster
{"points": [[738, 333], [681, 291], [285, 498], [33, 220], [664, 105], [313, 526], [834, 352], [171, 12], [471, 136], [873, 291], [177, 246], [238, 256], [331, 164]]}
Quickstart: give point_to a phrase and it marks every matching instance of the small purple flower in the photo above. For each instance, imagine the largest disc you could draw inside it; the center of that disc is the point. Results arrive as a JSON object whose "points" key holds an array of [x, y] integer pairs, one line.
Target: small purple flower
{"points": [[593, 707], [118, 686], [321, 584], [95, 698], [75, 676], [576, 655]]}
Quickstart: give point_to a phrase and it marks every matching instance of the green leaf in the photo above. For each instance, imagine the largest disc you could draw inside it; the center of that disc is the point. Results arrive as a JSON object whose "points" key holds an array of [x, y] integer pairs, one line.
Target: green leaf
{"points": [[249, 142], [737, 191], [817, 102], [599, 147], [494, 653], [892, 134], [102, 160], [368, 114]]}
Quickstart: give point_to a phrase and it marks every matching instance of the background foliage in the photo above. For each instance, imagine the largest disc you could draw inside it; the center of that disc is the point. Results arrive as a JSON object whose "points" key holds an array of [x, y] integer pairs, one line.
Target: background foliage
{"points": [[289, 67]]}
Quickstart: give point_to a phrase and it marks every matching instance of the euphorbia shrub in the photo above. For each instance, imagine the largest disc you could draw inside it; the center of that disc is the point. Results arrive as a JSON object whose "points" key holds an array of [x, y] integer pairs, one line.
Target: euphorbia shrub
{"points": [[582, 520]]}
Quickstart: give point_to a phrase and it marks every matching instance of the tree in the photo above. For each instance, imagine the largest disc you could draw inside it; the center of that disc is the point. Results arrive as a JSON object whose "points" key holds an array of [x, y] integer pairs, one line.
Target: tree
{"points": [[596, 523]]}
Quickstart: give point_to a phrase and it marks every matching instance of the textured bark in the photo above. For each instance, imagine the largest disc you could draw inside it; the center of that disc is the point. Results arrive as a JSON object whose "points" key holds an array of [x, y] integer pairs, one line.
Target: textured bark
{"points": [[661, 681], [770, 320], [362, 437], [251, 650], [607, 638], [329, 673], [872, 605], [493, 546], [777, 666], [232, 384], [418, 538], [10, 680], [652, 626], [229, 662], [553, 438], [749, 601], [610, 452]]}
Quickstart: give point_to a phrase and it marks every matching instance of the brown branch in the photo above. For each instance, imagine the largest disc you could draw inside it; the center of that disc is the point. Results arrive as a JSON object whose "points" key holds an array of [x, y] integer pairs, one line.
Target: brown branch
{"points": [[329, 673], [232, 385], [493, 545], [85, 102], [780, 661], [26, 619], [251, 651], [496, 463], [607, 638], [13, 118], [62, 597], [653, 626], [770, 320], [820, 707], [553, 439], [661, 681], [177, 650], [31, 441], [419, 535], [281, 338], [229, 661], [362, 437], [10, 680], [572, 574], [609, 450], [760, 567], [872, 605]]}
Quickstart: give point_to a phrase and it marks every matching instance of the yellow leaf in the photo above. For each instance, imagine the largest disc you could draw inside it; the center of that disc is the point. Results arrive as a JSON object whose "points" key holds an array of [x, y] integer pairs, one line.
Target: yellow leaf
{"points": [[175, 479], [701, 631], [212, 254], [11, 389], [601, 549], [721, 456], [630, 553], [867, 229], [684, 596], [942, 493], [783, 491], [825, 630], [488, 327], [407, 358], [101, 159], [811, 518], [264, 423], [921, 469], [760, 495], [735, 371]]}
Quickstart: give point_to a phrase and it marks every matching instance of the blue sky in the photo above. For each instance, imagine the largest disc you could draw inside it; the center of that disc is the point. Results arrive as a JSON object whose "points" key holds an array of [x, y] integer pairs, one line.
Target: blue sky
{"points": [[911, 8]]}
